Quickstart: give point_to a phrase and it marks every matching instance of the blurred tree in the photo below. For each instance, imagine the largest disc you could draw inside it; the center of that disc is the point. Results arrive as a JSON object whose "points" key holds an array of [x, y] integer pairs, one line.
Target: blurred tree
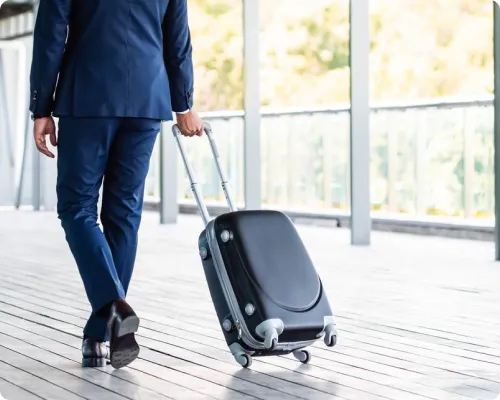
{"points": [[419, 49], [216, 30]]}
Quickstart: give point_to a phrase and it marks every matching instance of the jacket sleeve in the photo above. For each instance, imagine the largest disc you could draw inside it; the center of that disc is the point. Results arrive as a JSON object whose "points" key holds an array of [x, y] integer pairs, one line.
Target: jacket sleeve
{"points": [[177, 53], [49, 40]]}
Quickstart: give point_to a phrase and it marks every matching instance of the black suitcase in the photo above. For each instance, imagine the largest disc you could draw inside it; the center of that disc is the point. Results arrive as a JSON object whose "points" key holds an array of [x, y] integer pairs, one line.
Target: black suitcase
{"points": [[266, 292]]}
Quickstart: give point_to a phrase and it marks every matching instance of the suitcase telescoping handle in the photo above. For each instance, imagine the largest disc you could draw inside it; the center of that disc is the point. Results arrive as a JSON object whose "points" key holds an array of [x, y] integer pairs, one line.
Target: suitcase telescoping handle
{"points": [[192, 179]]}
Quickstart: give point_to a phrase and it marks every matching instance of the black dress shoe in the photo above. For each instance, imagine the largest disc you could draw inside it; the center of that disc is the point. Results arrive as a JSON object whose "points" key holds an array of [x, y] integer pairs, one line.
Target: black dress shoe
{"points": [[123, 323], [94, 353]]}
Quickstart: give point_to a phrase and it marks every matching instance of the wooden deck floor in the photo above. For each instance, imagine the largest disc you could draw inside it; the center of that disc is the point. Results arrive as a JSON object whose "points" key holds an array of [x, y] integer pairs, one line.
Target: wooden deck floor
{"points": [[418, 317]]}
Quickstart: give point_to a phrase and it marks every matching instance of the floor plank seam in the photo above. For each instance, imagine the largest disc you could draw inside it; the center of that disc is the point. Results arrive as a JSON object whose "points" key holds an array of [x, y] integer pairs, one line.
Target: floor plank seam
{"points": [[21, 388]]}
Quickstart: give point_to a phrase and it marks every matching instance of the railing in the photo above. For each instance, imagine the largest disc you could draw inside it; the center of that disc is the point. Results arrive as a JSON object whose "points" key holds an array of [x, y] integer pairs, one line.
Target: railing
{"points": [[16, 20], [432, 158]]}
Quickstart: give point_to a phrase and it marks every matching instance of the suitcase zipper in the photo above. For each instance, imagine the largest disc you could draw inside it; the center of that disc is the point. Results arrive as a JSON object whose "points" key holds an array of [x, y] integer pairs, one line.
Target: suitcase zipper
{"points": [[238, 327]]}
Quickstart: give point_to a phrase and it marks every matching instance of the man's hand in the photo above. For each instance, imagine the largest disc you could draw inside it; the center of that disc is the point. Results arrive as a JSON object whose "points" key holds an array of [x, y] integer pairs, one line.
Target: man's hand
{"points": [[190, 124], [44, 126]]}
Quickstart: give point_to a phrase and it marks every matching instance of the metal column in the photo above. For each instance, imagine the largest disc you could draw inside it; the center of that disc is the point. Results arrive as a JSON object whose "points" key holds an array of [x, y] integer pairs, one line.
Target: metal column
{"points": [[7, 125], [169, 207], [360, 122], [13, 123], [496, 52], [251, 72], [7, 151], [36, 160]]}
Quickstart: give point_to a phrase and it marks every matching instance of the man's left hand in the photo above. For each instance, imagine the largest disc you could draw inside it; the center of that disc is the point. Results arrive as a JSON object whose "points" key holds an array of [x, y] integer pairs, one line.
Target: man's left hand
{"points": [[43, 127]]}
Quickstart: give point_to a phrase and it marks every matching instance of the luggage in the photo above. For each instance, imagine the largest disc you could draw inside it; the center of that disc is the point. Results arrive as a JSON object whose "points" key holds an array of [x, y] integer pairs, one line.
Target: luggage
{"points": [[267, 295]]}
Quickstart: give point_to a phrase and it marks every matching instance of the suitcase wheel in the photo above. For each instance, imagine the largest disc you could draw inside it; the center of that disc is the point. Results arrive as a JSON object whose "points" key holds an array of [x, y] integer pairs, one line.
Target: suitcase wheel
{"points": [[239, 354], [244, 360], [302, 355], [269, 330], [271, 339], [330, 336]]}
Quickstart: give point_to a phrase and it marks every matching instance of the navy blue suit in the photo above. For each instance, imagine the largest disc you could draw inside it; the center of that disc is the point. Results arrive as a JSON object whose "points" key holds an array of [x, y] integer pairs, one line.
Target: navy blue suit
{"points": [[121, 66]]}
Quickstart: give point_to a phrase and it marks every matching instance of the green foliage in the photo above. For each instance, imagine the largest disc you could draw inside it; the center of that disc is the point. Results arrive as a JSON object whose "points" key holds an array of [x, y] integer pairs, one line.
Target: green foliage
{"points": [[419, 49]]}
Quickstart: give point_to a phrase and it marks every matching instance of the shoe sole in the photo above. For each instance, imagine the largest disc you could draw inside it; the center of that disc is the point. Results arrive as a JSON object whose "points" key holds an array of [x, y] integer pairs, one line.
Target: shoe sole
{"points": [[128, 325], [125, 349], [97, 362]]}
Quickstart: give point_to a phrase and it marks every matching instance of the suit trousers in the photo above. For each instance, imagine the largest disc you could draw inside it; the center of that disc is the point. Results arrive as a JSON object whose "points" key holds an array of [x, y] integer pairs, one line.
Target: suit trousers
{"points": [[114, 153]]}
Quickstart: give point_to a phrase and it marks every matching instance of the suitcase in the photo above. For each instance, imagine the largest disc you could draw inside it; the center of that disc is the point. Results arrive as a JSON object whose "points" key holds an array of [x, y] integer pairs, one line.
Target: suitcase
{"points": [[267, 295]]}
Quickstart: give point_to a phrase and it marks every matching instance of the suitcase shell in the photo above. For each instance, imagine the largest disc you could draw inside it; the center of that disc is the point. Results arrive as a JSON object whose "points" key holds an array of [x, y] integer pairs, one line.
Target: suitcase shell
{"points": [[266, 292], [262, 280]]}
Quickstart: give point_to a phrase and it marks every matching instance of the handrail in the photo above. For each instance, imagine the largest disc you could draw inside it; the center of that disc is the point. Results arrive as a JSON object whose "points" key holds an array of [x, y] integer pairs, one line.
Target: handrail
{"points": [[438, 103]]}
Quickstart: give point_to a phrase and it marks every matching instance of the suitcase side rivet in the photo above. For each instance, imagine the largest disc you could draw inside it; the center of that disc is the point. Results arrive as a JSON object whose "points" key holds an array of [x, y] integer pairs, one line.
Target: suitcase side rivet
{"points": [[227, 325], [249, 309], [225, 236], [203, 253]]}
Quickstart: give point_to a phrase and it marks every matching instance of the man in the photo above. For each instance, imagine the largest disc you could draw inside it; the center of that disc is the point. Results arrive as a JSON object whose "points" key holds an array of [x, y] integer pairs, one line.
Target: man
{"points": [[121, 66]]}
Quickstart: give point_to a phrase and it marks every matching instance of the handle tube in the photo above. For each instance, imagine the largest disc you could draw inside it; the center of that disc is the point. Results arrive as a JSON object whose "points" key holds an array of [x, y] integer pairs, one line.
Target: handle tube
{"points": [[192, 179], [195, 187], [226, 186]]}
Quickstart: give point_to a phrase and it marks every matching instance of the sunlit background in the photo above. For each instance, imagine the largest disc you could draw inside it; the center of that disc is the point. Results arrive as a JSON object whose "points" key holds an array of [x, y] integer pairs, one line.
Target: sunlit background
{"points": [[431, 71]]}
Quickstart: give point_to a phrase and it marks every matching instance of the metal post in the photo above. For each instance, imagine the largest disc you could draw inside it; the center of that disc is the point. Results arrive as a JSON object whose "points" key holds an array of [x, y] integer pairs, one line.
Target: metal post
{"points": [[468, 132], [19, 188], [360, 122], [36, 159], [6, 152], [251, 73], [169, 207], [496, 52], [420, 162], [4, 110], [13, 124]]}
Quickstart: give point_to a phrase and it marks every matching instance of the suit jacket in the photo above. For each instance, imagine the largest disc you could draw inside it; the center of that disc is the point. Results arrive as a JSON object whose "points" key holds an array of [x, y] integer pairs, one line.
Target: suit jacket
{"points": [[115, 58]]}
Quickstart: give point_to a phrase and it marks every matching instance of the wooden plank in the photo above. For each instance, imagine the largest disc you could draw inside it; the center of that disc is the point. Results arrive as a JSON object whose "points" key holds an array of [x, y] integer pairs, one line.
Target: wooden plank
{"points": [[20, 377], [177, 364], [172, 311], [182, 362], [9, 391], [394, 342], [338, 367], [229, 361], [55, 369], [462, 324], [67, 344], [169, 301], [298, 390]]}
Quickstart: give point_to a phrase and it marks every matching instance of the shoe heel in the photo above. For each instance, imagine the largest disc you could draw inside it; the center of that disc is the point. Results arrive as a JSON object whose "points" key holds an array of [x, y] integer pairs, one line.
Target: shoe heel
{"points": [[96, 362], [126, 351], [128, 325]]}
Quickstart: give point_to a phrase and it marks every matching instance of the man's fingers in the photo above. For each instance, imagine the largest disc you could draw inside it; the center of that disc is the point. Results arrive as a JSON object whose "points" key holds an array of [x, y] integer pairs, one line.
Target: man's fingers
{"points": [[192, 130], [44, 150], [187, 131], [42, 146], [44, 127], [53, 138]]}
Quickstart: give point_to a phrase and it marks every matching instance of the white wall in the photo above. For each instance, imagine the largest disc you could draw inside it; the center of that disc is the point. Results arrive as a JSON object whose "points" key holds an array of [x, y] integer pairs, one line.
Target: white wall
{"points": [[17, 80]]}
